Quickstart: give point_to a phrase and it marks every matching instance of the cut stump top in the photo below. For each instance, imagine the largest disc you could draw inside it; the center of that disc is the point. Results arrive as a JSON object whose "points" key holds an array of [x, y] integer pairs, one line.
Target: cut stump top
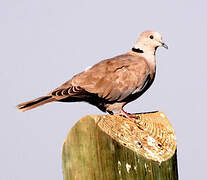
{"points": [[150, 134]]}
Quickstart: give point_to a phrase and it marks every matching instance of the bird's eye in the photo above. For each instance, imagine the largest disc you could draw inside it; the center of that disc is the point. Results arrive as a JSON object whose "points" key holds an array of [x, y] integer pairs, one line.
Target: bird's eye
{"points": [[151, 37]]}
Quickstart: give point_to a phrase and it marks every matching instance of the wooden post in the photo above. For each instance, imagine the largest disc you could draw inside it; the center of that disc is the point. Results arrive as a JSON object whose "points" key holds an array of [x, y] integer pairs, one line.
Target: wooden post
{"points": [[112, 147]]}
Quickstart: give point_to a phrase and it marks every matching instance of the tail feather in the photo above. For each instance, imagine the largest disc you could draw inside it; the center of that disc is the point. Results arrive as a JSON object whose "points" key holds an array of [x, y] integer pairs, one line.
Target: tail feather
{"points": [[35, 103]]}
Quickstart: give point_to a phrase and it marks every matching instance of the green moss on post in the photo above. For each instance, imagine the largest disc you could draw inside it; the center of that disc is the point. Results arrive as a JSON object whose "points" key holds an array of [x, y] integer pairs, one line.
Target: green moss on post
{"points": [[114, 147]]}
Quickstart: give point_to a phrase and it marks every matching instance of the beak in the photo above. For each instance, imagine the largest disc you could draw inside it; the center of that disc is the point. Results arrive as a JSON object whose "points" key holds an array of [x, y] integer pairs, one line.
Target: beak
{"points": [[164, 45]]}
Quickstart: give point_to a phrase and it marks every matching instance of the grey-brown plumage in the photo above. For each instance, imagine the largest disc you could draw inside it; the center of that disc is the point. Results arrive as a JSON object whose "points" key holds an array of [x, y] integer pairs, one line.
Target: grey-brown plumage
{"points": [[111, 83]]}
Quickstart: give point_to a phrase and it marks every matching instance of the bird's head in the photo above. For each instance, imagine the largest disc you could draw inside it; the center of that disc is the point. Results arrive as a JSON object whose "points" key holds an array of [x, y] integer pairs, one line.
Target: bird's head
{"points": [[149, 41]]}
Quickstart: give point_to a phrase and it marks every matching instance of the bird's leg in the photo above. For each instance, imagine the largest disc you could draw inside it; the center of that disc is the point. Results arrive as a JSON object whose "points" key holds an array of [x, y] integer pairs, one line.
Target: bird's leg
{"points": [[122, 112]]}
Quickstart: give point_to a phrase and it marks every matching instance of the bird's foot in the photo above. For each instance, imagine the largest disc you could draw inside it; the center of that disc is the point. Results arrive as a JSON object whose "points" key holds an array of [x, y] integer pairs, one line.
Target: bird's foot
{"points": [[130, 116]]}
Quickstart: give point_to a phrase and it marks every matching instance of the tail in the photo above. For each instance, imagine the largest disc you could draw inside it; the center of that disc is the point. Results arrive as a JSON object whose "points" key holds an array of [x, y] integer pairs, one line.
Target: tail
{"points": [[35, 103]]}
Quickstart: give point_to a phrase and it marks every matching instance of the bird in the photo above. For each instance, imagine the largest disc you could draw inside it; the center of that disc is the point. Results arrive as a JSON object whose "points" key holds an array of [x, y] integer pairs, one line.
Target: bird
{"points": [[112, 83]]}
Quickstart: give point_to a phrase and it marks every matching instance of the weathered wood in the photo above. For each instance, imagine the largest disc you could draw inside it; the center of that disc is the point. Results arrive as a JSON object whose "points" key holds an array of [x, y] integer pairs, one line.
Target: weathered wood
{"points": [[114, 147]]}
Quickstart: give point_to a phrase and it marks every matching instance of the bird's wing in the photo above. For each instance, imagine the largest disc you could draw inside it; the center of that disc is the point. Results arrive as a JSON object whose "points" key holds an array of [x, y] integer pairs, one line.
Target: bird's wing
{"points": [[113, 79]]}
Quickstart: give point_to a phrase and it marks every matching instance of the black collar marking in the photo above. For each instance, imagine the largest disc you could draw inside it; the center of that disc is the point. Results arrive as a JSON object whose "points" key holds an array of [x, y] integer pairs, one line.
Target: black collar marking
{"points": [[137, 50]]}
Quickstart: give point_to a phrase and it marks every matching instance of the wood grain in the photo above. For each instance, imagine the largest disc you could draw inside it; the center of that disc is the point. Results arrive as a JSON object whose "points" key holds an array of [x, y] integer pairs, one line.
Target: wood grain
{"points": [[104, 148]]}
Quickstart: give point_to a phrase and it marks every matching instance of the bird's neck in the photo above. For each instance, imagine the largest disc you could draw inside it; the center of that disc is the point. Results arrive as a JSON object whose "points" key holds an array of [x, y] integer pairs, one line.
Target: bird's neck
{"points": [[148, 54], [150, 58]]}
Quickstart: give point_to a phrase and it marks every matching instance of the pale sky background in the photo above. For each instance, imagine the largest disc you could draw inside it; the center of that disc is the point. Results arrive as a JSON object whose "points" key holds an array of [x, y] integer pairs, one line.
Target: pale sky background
{"points": [[45, 42]]}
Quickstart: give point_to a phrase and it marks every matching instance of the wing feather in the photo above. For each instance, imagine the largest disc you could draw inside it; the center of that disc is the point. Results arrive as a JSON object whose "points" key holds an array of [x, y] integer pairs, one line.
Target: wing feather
{"points": [[113, 79]]}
